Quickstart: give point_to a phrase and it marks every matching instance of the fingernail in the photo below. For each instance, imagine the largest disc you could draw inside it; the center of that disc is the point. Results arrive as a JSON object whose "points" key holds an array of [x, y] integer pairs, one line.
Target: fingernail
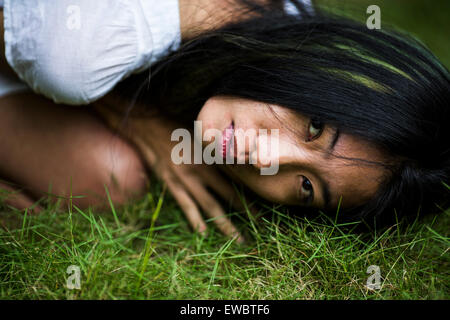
{"points": [[240, 239]]}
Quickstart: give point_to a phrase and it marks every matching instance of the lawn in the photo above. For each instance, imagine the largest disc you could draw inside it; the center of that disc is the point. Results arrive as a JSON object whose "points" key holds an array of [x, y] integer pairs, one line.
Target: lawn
{"points": [[146, 249]]}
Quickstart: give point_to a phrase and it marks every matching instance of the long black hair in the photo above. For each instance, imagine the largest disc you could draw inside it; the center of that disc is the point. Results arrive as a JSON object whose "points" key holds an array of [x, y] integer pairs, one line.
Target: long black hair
{"points": [[380, 85]]}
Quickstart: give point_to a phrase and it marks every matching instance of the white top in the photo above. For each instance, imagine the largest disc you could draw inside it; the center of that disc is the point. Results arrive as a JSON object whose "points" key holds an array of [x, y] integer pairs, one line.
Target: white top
{"points": [[76, 51]]}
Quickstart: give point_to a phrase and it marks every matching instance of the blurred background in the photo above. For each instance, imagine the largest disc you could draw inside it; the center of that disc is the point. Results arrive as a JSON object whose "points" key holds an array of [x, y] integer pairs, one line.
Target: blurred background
{"points": [[427, 20]]}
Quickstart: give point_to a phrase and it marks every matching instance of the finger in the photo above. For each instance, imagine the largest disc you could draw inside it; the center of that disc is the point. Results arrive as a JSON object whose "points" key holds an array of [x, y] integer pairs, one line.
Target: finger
{"points": [[146, 151], [211, 207], [224, 189], [188, 206], [17, 199], [177, 190], [183, 199]]}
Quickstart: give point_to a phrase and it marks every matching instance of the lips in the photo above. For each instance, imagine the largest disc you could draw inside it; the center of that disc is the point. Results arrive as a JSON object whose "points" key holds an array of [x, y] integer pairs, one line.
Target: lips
{"points": [[227, 137]]}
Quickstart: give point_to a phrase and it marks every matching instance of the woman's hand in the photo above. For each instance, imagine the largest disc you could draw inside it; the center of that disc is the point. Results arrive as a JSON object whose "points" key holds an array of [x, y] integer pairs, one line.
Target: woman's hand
{"points": [[187, 183]]}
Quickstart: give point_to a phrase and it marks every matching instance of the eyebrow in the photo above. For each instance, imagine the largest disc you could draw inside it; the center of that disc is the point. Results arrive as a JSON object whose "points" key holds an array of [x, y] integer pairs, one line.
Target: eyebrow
{"points": [[326, 194]]}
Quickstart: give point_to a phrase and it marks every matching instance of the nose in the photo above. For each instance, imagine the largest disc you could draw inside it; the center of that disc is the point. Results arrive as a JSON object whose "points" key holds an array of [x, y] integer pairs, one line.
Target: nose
{"points": [[273, 150]]}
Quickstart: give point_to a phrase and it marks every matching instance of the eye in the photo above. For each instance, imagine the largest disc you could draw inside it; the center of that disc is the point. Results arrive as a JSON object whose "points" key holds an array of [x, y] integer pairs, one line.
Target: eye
{"points": [[315, 129], [307, 190]]}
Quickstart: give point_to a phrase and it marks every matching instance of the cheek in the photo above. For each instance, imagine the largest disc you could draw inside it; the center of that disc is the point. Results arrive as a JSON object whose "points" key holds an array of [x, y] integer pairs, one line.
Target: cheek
{"points": [[357, 185], [276, 188], [357, 182]]}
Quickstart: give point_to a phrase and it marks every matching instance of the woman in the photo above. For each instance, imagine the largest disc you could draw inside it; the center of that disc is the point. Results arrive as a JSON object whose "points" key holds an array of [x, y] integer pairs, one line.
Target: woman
{"points": [[360, 116]]}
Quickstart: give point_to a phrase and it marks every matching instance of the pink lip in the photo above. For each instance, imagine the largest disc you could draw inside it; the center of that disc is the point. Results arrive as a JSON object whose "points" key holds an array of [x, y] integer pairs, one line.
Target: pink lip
{"points": [[227, 135]]}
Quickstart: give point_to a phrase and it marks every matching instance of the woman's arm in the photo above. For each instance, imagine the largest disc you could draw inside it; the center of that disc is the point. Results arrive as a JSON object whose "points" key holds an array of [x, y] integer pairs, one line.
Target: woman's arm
{"points": [[79, 58], [188, 183], [197, 16]]}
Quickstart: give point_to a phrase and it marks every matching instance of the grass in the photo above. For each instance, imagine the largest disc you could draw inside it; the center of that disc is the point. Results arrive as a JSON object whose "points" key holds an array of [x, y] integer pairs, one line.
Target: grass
{"points": [[146, 250]]}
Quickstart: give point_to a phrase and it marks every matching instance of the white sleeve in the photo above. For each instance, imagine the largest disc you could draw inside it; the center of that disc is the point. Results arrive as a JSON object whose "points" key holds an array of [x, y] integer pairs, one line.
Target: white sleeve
{"points": [[75, 51], [292, 10]]}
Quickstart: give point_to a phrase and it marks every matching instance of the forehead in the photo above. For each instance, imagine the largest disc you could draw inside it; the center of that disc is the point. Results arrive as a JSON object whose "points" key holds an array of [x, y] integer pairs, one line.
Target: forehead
{"points": [[354, 171]]}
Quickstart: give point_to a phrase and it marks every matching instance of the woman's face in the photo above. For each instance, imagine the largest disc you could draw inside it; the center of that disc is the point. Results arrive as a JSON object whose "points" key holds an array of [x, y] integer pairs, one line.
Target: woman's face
{"points": [[311, 170]]}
